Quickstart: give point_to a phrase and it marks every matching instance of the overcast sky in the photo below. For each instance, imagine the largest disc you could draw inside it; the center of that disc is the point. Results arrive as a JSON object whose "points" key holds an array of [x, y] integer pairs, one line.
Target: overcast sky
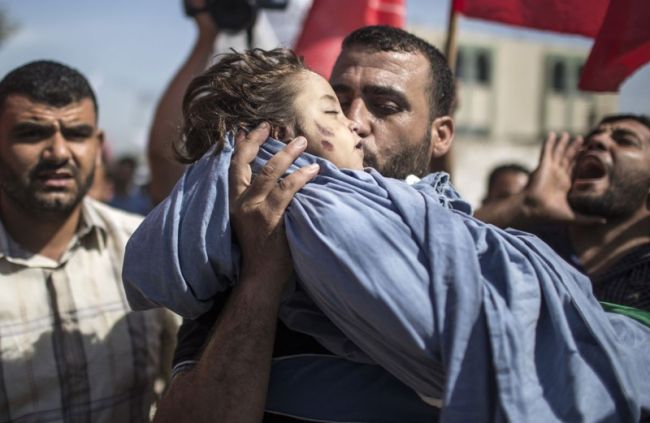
{"points": [[129, 49]]}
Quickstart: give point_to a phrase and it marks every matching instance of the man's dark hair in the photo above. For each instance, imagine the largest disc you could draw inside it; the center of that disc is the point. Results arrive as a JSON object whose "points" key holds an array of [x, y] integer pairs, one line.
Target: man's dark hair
{"points": [[505, 168], [381, 38], [642, 119], [47, 82]]}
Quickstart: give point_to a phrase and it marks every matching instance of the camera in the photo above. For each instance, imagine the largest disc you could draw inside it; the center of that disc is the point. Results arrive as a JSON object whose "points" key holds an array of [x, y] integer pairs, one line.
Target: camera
{"points": [[236, 15]]}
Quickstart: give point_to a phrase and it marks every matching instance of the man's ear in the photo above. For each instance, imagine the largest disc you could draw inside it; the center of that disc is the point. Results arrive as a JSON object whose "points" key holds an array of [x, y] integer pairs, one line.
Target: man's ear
{"points": [[442, 135], [100, 147]]}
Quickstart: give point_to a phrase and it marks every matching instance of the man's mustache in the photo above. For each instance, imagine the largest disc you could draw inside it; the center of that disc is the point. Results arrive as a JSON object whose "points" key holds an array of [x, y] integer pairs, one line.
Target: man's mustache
{"points": [[45, 167], [369, 158]]}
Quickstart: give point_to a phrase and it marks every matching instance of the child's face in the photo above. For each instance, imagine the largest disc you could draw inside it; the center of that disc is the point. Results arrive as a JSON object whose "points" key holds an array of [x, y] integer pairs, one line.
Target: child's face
{"points": [[329, 133]]}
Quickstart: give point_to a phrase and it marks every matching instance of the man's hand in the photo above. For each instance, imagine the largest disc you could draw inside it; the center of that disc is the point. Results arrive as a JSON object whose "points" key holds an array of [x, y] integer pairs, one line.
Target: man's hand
{"points": [[206, 25], [544, 199], [549, 185], [235, 365], [257, 207]]}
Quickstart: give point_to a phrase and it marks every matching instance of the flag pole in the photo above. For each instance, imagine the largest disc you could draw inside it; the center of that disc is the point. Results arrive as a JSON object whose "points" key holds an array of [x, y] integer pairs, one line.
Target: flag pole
{"points": [[446, 162], [451, 46]]}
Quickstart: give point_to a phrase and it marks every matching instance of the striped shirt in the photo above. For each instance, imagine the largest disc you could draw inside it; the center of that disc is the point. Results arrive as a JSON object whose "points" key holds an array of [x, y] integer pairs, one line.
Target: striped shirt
{"points": [[626, 282], [71, 349]]}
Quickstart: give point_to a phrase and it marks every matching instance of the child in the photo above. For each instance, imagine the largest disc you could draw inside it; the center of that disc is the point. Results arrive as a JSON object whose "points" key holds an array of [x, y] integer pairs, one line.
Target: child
{"points": [[245, 89], [492, 323]]}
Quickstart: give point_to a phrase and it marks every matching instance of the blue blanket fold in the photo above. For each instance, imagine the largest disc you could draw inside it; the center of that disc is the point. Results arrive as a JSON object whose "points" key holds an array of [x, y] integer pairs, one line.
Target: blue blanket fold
{"points": [[491, 321]]}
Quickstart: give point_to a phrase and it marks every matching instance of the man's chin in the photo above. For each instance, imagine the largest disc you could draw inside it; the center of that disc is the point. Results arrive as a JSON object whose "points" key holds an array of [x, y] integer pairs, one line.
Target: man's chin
{"points": [[58, 203]]}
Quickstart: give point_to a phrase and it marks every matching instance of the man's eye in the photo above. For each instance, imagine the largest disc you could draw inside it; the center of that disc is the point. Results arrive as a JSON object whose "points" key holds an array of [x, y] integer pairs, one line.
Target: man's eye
{"points": [[77, 134], [387, 107], [626, 141], [344, 103], [32, 134], [29, 134]]}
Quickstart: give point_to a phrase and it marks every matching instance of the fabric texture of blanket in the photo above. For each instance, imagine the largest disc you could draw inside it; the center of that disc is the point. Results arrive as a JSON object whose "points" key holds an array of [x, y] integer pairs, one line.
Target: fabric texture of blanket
{"points": [[491, 321]]}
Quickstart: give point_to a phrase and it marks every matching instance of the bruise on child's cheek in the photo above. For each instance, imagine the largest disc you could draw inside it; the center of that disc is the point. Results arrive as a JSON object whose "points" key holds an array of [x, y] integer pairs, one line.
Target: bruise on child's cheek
{"points": [[326, 132], [327, 145]]}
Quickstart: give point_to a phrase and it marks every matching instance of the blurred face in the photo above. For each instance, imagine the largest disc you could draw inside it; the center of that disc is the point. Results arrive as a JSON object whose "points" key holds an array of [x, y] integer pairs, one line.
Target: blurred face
{"points": [[387, 95], [612, 173], [48, 155], [330, 134], [505, 185]]}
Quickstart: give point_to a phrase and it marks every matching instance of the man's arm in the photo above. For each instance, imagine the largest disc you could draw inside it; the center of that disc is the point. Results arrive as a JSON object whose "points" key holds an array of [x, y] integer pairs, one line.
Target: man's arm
{"points": [[165, 170], [545, 197], [230, 381]]}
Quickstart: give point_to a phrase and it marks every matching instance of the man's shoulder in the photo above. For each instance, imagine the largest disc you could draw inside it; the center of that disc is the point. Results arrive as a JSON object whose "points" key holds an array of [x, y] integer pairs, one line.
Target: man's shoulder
{"points": [[113, 219]]}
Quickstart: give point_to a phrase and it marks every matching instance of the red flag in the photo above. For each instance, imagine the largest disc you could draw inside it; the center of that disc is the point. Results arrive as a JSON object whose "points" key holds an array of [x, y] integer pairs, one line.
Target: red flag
{"points": [[621, 47], [582, 17], [330, 21]]}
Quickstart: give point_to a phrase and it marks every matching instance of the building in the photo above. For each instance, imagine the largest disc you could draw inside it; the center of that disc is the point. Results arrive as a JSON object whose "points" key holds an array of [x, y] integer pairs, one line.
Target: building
{"points": [[511, 94]]}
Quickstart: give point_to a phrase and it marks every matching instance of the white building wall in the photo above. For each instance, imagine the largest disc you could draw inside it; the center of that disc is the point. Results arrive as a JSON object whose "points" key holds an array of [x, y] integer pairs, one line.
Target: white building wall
{"points": [[517, 108]]}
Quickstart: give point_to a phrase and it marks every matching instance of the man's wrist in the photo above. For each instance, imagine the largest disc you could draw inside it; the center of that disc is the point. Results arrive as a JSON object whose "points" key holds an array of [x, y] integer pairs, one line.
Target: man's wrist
{"points": [[271, 283]]}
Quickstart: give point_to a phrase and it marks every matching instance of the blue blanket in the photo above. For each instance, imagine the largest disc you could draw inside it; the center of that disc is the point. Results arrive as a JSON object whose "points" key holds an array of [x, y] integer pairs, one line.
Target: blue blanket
{"points": [[491, 321]]}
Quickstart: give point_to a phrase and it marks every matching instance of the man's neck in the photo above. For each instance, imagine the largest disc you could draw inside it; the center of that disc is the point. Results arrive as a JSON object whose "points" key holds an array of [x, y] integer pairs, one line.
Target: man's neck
{"points": [[48, 236], [600, 246]]}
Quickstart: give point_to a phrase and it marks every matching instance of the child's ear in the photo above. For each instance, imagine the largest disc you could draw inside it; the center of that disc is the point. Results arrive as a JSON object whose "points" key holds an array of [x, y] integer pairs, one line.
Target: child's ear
{"points": [[279, 132], [282, 133]]}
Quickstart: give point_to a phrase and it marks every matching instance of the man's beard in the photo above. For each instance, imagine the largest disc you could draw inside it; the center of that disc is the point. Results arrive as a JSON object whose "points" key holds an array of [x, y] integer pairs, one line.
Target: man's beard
{"points": [[412, 160], [33, 198], [623, 198]]}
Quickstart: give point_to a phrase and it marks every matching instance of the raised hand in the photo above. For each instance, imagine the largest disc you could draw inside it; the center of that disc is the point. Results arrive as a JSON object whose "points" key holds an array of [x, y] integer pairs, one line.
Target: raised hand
{"points": [[197, 9], [550, 183]]}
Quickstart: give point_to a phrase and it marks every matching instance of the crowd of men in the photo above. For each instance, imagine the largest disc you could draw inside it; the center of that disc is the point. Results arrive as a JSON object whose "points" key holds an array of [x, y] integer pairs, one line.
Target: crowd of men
{"points": [[71, 349]]}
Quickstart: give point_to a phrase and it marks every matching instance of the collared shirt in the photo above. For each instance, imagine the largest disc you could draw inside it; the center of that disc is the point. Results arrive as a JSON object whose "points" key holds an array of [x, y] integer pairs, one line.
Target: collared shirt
{"points": [[626, 282], [71, 349]]}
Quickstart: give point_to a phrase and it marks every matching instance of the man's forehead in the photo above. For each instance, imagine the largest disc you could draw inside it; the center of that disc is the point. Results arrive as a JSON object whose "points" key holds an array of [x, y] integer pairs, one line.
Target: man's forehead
{"points": [[18, 107], [358, 66], [626, 124]]}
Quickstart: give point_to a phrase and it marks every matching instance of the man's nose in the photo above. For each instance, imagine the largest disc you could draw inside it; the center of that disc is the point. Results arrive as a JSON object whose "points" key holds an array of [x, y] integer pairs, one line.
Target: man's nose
{"points": [[359, 114], [56, 150], [596, 142]]}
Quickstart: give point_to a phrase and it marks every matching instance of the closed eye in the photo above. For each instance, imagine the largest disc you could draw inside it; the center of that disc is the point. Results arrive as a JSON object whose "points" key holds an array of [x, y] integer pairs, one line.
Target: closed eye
{"points": [[387, 107], [332, 112]]}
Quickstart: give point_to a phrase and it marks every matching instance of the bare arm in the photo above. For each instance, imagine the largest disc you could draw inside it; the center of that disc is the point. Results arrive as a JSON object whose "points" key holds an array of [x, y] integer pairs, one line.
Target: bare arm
{"points": [[230, 381], [165, 170], [545, 197]]}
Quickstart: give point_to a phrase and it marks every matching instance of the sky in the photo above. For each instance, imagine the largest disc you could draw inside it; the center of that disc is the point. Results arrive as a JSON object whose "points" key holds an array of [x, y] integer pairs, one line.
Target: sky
{"points": [[130, 49]]}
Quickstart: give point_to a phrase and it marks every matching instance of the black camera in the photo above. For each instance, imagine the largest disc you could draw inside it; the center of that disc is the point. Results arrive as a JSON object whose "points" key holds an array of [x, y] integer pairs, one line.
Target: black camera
{"points": [[236, 15]]}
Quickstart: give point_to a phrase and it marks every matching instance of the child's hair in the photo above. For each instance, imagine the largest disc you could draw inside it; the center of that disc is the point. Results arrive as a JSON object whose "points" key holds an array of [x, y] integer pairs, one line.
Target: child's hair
{"points": [[241, 91]]}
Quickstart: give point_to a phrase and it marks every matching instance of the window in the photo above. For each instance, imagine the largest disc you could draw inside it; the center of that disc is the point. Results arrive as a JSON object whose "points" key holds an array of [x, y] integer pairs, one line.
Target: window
{"points": [[558, 81], [460, 62], [483, 68], [474, 65], [579, 73]]}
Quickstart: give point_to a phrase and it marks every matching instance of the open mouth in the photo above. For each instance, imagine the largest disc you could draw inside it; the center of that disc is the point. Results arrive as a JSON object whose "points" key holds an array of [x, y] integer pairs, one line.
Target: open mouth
{"points": [[590, 167], [359, 145]]}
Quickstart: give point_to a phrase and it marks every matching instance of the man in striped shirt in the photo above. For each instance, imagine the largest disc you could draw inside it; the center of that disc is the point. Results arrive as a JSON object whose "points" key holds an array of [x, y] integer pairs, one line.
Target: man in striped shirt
{"points": [[71, 350]]}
